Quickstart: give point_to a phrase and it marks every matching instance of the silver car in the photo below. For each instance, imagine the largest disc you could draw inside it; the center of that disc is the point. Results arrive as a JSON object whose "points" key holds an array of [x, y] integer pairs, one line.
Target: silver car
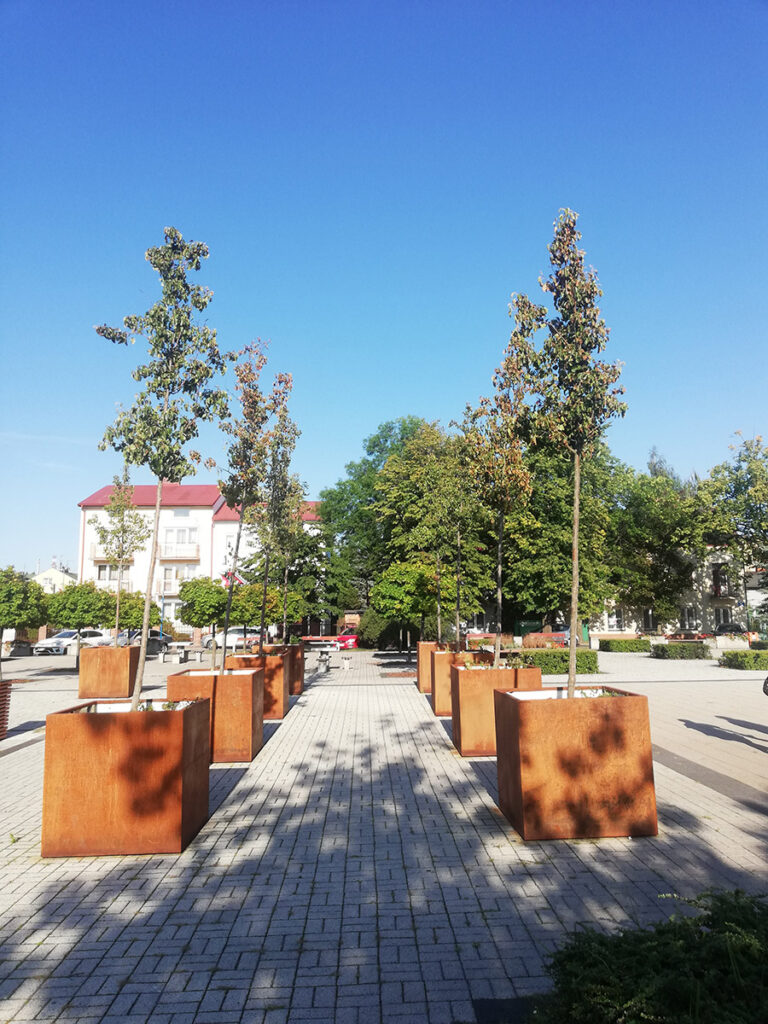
{"points": [[65, 641]]}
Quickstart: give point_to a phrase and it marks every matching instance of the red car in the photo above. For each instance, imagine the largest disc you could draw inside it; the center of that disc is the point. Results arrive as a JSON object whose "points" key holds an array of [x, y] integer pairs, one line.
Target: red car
{"points": [[345, 641]]}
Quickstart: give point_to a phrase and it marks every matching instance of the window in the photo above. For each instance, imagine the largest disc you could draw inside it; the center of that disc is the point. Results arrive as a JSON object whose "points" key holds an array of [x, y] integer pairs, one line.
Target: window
{"points": [[616, 619], [650, 622], [723, 616], [720, 580], [687, 618]]}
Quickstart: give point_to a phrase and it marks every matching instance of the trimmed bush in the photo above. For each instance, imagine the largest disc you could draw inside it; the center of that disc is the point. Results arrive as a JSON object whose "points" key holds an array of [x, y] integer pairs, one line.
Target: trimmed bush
{"points": [[618, 646], [554, 662], [744, 659], [688, 970], [760, 645], [689, 649]]}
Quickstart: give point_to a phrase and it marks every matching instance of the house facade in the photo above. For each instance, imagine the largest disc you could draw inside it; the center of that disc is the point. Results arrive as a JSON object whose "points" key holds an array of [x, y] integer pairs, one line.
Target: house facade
{"points": [[196, 538]]}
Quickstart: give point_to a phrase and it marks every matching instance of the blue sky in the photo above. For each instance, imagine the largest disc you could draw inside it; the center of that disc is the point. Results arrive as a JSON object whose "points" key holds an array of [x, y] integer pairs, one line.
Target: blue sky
{"points": [[374, 180]]}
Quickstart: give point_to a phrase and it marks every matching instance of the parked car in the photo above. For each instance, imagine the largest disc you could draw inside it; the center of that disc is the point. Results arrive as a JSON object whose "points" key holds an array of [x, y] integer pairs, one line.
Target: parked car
{"points": [[237, 636], [65, 641], [157, 643]]}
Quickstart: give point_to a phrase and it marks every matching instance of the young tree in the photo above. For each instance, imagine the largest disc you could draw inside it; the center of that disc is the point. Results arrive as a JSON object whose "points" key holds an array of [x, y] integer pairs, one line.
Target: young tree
{"points": [[178, 392], [81, 605], [125, 533], [254, 436], [22, 603], [577, 393], [290, 533], [132, 611], [203, 602], [497, 434], [404, 593]]}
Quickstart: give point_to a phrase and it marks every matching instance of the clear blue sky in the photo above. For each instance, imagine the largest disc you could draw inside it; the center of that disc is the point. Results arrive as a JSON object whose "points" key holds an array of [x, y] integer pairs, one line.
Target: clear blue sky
{"points": [[373, 181]]}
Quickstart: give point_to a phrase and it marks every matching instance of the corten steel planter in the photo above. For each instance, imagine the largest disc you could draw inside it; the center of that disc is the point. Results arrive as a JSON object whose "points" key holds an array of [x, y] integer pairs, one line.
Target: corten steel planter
{"points": [[424, 649], [5, 705], [577, 768], [295, 655], [276, 695], [118, 781], [472, 708], [236, 708], [107, 672], [442, 662]]}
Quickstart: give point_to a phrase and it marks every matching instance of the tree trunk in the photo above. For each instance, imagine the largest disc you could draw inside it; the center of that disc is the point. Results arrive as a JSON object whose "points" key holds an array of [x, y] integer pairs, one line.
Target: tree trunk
{"points": [[147, 601], [264, 602], [458, 590], [230, 591], [285, 600], [499, 551], [439, 604], [117, 603], [574, 576]]}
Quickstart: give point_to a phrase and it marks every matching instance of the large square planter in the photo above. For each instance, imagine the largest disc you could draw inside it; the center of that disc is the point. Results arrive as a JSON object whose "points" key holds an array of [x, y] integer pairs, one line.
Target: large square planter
{"points": [[118, 781], [295, 656], [5, 706], [236, 708], [107, 672], [578, 768], [424, 650], [442, 662], [472, 707], [276, 689]]}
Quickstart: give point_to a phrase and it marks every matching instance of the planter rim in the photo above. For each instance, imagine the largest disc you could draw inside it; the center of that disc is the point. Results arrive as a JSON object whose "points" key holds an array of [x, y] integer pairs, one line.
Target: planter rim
{"points": [[561, 693], [217, 672], [107, 706]]}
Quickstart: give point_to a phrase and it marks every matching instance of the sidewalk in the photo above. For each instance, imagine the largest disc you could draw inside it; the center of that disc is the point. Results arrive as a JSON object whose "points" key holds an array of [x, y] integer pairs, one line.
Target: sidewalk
{"points": [[358, 870]]}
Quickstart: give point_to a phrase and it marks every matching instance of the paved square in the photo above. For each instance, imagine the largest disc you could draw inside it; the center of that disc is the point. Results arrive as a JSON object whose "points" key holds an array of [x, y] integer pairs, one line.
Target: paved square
{"points": [[358, 870]]}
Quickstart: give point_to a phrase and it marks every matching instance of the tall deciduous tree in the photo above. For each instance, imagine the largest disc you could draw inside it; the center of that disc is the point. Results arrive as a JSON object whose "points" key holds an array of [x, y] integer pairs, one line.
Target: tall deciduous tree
{"points": [[22, 603], [736, 493], [497, 434], [578, 392], [125, 532], [178, 392]]}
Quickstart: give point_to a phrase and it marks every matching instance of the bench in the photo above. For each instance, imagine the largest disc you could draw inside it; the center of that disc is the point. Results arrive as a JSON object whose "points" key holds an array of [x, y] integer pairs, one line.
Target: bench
{"points": [[177, 652]]}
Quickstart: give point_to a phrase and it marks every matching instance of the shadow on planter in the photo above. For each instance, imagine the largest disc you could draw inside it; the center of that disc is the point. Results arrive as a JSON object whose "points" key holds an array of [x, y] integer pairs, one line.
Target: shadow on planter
{"points": [[472, 707], [236, 698], [276, 689]]}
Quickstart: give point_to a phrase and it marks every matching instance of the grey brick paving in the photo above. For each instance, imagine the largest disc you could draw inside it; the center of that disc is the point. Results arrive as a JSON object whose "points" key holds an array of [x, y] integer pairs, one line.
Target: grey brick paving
{"points": [[358, 871]]}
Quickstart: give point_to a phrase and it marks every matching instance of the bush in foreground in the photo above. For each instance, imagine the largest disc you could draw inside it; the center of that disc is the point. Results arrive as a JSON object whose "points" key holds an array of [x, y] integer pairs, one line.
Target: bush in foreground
{"points": [[689, 649], [554, 662], [707, 969], [618, 646], [744, 659]]}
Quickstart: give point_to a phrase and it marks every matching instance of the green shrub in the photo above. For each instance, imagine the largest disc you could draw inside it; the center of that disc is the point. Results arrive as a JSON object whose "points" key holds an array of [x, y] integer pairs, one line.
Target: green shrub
{"points": [[744, 659], [760, 645], [554, 662], [688, 649], [707, 969], [617, 646]]}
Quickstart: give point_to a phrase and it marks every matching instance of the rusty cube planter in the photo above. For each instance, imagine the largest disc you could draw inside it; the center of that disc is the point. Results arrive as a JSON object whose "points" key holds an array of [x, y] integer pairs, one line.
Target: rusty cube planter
{"points": [[472, 707], [236, 708], [118, 781], [575, 769], [276, 690], [442, 662], [5, 705], [107, 672], [295, 656]]}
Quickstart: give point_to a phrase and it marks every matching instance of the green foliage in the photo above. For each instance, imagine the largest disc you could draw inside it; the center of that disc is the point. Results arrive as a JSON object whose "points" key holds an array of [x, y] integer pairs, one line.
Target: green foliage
{"points": [[687, 650], [760, 645], [81, 605], [554, 661], [619, 646], [132, 611], [376, 630], [744, 659], [354, 532], [404, 592], [22, 602], [707, 969], [203, 601]]}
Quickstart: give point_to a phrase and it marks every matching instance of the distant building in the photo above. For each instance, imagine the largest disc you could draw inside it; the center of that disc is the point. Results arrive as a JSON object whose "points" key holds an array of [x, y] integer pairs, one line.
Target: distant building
{"points": [[196, 538], [54, 579]]}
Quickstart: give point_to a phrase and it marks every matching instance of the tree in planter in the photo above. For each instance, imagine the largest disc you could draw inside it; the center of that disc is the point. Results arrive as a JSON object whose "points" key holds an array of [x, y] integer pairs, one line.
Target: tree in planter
{"points": [[735, 496], [22, 603], [203, 602], [253, 436], [497, 435], [290, 533], [577, 393], [125, 533], [81, 605], [178, 393]]}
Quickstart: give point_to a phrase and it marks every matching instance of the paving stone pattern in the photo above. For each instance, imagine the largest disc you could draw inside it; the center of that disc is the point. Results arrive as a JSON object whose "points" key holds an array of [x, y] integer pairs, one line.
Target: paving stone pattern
{"points": [[357, 871]]}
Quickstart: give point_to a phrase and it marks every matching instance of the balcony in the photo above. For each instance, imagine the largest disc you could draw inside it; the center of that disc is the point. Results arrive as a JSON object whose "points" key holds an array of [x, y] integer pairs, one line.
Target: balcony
{"points": [[179, 553], [125, 585], [99, 558]]}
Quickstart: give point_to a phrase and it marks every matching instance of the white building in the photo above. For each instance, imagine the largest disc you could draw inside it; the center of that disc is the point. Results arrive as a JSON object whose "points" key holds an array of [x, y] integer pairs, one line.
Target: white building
{"points": [[54, 579], [196, 538]]}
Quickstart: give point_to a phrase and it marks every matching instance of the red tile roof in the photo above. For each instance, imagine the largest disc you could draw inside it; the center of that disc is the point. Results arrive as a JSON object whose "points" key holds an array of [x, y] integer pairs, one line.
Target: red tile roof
{"points": [[174, 496], [225, 514]]}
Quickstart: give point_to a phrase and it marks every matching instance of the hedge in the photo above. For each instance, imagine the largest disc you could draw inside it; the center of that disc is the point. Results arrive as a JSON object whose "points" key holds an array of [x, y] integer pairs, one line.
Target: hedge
{"points": [[554, 662], [760, 645], [617, 646], [744, 659], [689, 649]]}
